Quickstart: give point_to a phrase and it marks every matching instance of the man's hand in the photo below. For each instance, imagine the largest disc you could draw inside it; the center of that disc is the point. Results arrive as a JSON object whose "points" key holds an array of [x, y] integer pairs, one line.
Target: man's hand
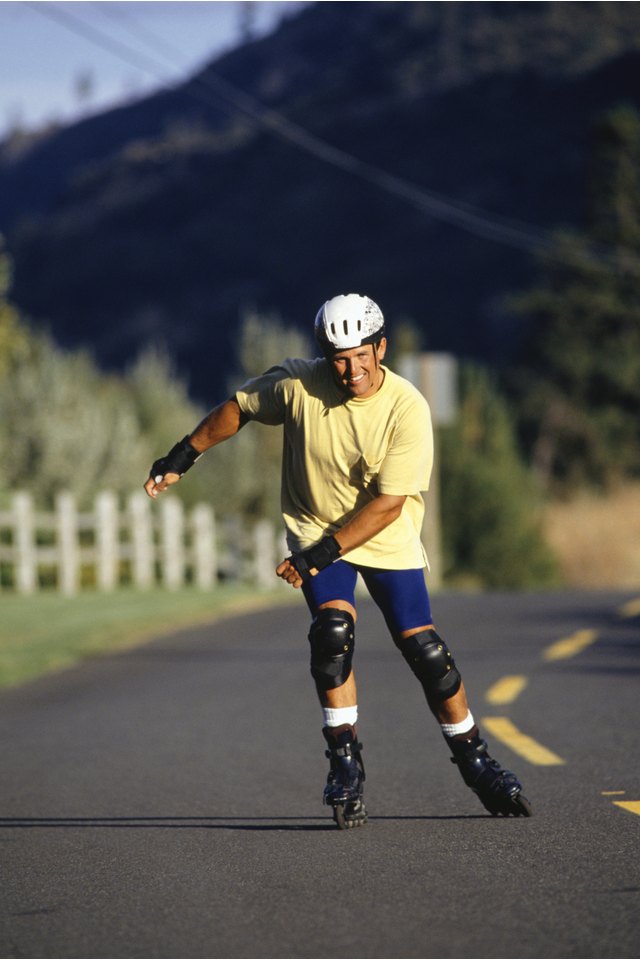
{"points": [[289, 574], [169, 469], [301, 566], [158, 484]]}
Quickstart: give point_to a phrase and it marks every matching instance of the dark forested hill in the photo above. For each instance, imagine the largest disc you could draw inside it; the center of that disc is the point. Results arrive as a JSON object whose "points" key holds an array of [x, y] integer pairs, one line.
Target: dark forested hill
{"points": [[162, 220]]}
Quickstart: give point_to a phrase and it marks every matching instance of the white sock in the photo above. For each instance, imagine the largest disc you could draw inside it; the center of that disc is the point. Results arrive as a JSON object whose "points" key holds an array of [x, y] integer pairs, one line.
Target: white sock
{"points": [[336, 716], [453, 729]]}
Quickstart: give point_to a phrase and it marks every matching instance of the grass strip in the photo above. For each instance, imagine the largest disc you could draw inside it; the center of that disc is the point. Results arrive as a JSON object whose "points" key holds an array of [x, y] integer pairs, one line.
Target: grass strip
{"points": [[45, 632]]}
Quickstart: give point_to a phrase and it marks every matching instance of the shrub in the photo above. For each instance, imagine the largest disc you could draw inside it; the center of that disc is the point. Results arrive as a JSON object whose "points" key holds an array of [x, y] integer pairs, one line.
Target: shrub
{"points": [[491, 507]]}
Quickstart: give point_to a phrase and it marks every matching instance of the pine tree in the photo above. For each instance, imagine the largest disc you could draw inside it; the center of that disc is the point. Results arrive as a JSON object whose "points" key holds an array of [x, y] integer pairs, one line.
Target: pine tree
{"points": [[580, 388]]}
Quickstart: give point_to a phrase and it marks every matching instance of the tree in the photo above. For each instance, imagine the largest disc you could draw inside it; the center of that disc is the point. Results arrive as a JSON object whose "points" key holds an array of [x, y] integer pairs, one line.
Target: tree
{"points": [[69, 426], [492, 532], [579, 388], [12, 334]]}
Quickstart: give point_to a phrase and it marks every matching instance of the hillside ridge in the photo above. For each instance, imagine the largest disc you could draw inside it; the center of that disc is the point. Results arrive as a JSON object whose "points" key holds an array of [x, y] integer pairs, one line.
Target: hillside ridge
{"points": [[162, 220]]}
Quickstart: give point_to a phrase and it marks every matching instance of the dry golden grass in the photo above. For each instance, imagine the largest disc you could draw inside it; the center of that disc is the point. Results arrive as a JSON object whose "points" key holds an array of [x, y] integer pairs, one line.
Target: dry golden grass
{"points": [[597, 538]]}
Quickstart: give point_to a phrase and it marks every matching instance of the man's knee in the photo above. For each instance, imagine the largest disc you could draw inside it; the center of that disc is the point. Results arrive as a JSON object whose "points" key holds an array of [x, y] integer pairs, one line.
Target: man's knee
{"points": [[332, 640], [431, 661]]}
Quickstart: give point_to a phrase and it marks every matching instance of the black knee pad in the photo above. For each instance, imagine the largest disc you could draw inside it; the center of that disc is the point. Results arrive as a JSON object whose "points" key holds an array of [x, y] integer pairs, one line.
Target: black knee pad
{"points": [[432, 663], [332, 639]]}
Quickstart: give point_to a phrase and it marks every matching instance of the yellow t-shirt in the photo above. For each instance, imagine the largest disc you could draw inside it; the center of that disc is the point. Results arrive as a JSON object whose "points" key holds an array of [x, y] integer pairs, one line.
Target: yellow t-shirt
{"points": [[340, 452]]}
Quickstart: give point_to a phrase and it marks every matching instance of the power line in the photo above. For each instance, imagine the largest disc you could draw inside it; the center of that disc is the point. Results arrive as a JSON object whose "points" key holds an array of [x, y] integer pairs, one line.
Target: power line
{"points": [[456, 213], [97, 37], [154, 41], [465, 216]]}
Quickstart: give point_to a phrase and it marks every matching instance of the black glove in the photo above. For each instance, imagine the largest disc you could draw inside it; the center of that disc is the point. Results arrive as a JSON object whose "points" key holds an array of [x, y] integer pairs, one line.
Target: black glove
{"points": [[321, 555], [179, 459]]}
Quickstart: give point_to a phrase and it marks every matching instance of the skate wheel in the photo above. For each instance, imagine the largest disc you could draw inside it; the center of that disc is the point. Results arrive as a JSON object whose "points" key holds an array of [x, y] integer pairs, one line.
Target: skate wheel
{"points": [[349, 815], [517, 806], [338, 816], [523, 806]]}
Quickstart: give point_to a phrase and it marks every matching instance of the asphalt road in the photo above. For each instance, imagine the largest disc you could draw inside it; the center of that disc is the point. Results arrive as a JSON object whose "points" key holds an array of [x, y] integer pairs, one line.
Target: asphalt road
{"points": [[167, 802]]}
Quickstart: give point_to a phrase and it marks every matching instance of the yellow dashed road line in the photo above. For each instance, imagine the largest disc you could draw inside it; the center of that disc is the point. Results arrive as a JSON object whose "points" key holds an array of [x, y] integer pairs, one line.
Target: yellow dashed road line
{"points": [[503, 729], [633, 806], [630, 609], [570, 646], [506, 690], [509, 688]]}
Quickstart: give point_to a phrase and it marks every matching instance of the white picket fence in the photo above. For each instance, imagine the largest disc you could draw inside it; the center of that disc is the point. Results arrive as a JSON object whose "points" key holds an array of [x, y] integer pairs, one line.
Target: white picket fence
{"points": [[139, 542]]}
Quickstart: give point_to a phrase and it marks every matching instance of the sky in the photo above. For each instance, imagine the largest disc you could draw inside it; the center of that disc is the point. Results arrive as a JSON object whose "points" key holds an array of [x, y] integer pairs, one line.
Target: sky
{"points": [[53, 69]]}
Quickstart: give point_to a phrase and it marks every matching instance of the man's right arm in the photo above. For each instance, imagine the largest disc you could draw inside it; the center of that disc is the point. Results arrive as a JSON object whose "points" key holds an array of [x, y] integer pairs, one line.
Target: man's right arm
{"points": [[223, 422]]}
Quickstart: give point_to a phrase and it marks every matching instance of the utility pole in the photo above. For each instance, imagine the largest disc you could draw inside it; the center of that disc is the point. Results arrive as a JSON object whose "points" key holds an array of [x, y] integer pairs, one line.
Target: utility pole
{"points": [[436, 377]]}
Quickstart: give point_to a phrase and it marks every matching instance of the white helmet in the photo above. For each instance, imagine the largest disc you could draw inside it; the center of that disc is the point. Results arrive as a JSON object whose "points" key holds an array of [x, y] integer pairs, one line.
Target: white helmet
{"points": [[348, 321]]}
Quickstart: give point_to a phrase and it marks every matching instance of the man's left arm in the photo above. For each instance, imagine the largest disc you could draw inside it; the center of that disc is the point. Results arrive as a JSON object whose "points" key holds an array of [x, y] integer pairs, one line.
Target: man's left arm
{"points": [[363, 526]]}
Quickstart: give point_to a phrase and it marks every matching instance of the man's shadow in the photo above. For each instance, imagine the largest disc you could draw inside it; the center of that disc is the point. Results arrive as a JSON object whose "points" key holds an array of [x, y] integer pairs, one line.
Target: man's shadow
{"points": [[206, 823]]}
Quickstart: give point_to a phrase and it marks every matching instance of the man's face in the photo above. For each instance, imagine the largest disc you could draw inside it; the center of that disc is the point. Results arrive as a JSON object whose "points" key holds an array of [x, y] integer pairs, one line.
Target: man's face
{"points": [[357, 371]]}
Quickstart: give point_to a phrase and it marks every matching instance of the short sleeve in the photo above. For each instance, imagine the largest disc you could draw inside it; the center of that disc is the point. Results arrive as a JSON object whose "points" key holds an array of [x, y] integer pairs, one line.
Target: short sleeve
{"points": [[264, 398], [406, 468]]}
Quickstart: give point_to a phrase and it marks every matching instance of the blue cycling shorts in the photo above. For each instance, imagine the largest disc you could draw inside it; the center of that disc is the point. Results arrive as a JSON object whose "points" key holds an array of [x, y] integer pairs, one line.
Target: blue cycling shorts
{"points": [[401, 595]]}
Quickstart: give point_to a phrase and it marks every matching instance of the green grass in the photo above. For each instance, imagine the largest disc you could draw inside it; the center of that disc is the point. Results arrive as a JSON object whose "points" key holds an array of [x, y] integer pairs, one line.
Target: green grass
{"points": [[45, 632]]}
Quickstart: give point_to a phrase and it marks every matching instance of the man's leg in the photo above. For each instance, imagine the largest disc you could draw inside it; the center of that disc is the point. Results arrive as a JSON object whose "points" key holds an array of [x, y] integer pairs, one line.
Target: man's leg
{"points": [[431, 661], [331, 638], [448, 704], [330, 596], [404, 600], [345, 695]]}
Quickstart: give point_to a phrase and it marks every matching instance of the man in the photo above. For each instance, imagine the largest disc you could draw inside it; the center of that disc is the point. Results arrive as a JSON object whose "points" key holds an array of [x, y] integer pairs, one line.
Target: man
{"points": [[358, 451]]}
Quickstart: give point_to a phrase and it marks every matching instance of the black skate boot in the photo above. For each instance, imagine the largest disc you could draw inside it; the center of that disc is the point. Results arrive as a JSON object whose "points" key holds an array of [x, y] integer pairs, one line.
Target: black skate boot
{"points": [[345, 783], [499, 790]]}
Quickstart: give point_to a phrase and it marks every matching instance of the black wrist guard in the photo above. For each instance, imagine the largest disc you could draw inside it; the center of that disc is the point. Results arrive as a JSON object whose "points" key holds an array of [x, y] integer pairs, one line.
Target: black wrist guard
{"points": [[319, 556], [179, 459]]}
